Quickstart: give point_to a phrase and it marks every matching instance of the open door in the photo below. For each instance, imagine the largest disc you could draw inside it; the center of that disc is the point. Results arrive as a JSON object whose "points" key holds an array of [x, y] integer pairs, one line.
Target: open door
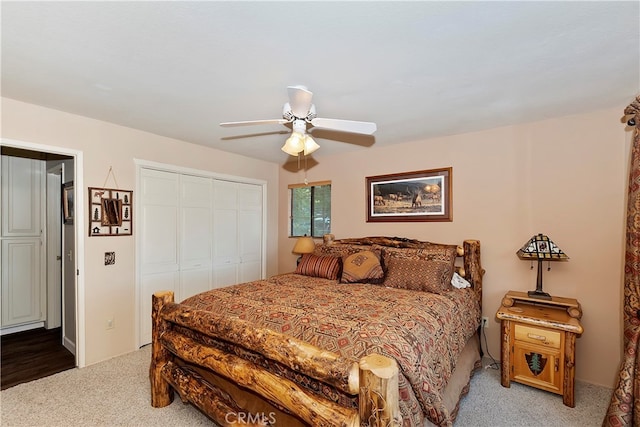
{"points": [[54, 248]]}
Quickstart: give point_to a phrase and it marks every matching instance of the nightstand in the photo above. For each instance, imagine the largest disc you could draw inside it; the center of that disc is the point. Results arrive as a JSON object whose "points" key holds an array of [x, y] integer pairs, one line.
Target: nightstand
{"points": [[538, 342]]}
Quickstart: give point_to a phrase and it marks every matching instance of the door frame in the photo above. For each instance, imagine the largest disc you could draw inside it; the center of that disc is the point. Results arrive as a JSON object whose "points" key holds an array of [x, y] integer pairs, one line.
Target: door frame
{"points": [[79, 225]]}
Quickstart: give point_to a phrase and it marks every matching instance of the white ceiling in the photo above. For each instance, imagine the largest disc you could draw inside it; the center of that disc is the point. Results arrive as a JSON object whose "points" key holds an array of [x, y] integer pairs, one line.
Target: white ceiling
{"points": [[417, 69]]}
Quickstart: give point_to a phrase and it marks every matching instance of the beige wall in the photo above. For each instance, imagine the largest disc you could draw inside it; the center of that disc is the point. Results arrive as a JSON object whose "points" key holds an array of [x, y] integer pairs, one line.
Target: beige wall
{"points": [[110, 291], [564, 177]]}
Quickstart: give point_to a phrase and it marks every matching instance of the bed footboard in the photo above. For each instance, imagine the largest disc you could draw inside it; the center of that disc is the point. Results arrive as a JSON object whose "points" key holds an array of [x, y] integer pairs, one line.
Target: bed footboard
{"points": [[374, 379]]}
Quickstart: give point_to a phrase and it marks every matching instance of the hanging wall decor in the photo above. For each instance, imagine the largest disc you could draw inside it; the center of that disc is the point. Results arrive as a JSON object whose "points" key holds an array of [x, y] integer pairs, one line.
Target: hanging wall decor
{"points": [[110, 212], [410, 196]]}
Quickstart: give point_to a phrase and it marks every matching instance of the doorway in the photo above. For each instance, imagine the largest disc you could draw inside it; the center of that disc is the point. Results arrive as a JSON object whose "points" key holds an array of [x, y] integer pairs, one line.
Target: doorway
{"points": [[58, 335]]}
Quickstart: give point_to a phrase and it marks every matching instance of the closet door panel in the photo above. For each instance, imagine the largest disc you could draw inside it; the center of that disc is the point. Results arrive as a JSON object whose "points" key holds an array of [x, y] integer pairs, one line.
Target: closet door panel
{"points": [[250, 232], [250, 236], [159, 213], [225, 275], [158, 227], [249, 271], [22, 187], [151, 283], [194, 281], [225, 239], [195, 222], [22, 290]]}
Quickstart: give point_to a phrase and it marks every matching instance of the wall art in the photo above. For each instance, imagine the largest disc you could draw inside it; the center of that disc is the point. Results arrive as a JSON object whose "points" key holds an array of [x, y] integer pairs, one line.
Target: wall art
{"points": [[411, 196]]}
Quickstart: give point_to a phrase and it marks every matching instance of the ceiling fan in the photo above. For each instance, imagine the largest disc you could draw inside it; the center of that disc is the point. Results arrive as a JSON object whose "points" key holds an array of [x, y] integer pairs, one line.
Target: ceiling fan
{"points": [[299, 111]]}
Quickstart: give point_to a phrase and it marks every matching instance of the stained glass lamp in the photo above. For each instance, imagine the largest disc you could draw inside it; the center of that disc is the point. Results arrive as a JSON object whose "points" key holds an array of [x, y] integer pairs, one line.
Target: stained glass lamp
{"points": [[541, 248]]}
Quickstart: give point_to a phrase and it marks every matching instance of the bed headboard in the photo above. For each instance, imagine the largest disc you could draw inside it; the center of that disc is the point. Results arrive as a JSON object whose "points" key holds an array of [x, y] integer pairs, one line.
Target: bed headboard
{"points": [[468, 253]]}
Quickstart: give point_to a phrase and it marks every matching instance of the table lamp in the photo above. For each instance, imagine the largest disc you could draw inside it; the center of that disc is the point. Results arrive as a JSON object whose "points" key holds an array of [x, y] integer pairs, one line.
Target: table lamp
{"points": [[304, 245], [541, 248]]}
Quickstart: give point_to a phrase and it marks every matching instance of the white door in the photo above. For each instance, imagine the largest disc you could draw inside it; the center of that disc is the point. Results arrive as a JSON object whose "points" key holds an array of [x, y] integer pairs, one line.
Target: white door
{"points": [[237, 230], [160, 263], [195, 235], [249, 232], [22, 287], [54, 248], [226, 257]]}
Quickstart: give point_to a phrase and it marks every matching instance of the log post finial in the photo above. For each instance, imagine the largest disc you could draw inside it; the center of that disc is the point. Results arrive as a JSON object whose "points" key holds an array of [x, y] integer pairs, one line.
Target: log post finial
{"points": [[378, 399], [161, 393]]}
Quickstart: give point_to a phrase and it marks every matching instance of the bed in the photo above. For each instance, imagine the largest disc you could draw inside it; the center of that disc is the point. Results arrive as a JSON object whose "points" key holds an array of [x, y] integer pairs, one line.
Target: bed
{"points": [[366, 331]]}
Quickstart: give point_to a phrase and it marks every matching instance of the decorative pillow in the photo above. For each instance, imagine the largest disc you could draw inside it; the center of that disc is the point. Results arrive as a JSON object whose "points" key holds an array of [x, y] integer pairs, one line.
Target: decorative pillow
{"points": [[339, 250], [444, 254], [327, 267], [417, 275], [362, 267]]}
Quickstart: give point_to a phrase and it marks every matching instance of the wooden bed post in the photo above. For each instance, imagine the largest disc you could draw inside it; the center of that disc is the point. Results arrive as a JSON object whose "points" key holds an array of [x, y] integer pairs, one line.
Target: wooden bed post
{"points": [[473, 269], [161, 392], [379, 398]]}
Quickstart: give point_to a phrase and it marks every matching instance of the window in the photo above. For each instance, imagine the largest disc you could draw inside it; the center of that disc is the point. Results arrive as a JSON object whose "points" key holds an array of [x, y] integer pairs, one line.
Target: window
{"points": [[310, 209]]}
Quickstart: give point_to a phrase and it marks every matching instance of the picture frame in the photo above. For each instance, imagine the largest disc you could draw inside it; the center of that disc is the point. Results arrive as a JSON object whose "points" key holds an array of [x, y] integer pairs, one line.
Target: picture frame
{"points": [[424, 195], [110, 212], [67, 202]]}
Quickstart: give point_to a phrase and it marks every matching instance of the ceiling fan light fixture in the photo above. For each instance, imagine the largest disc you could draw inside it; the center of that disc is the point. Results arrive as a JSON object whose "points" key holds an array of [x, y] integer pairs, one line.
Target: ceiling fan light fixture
{"points": [[309, 145], [294, 144]]}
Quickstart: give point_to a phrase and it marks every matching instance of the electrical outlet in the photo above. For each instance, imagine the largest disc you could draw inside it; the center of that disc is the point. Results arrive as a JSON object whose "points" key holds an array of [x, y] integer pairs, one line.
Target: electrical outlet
{"points": [[485, 323], [110, 324]]}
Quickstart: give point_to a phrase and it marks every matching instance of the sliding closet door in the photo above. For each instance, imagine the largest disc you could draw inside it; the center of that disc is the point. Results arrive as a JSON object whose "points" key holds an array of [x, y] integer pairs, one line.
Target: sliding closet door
{"points": [[237, 230], [160, 265], [226, 258], [195, 235], [249, 232]]}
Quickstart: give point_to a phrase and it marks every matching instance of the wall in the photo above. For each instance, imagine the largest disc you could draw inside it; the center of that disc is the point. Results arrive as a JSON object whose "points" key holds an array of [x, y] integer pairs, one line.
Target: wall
{"points": [[110, 291], [564, 177]]}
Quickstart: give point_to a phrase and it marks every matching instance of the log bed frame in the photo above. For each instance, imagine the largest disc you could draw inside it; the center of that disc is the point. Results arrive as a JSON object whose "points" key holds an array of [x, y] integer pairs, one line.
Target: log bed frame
{"points": [[373, 379]]}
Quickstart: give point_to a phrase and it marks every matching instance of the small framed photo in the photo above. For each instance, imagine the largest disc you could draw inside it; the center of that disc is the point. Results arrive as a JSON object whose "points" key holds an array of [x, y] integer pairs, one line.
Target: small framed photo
{"points": [[410, 196], [67, 202]]}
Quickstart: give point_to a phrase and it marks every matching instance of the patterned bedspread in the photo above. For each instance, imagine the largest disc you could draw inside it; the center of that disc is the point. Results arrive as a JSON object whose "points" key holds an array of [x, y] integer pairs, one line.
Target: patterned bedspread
{"points": [[424, 332]]}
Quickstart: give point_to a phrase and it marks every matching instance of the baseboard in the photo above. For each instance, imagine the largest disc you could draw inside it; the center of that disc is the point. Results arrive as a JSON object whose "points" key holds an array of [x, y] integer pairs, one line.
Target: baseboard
{"points": [[13, 329], [69, 345]]}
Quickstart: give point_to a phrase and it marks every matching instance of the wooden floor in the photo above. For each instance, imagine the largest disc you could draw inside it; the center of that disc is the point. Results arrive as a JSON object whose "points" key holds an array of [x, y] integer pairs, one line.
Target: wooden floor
{"points": [[29, 355]]}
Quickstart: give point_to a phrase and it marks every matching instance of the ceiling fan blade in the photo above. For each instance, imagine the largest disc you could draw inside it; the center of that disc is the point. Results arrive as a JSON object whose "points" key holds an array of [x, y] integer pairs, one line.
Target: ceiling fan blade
{"points": [[299, 100], [254, 122], [366, 128]]}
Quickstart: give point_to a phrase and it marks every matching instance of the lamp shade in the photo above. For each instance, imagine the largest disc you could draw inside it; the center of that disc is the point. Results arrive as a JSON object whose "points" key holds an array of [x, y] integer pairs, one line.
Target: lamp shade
{"points": [[309, 145], [294, 144], [299, 142], [541, 247], [304, 245]]}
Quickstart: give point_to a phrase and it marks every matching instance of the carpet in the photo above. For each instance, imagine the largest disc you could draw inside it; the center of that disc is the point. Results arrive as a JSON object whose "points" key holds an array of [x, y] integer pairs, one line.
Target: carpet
{"points": [[116, 393]]}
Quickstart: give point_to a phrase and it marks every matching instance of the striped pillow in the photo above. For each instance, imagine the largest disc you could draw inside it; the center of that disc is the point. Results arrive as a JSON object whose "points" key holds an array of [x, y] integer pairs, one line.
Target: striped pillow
{"points": [[328, 267]]}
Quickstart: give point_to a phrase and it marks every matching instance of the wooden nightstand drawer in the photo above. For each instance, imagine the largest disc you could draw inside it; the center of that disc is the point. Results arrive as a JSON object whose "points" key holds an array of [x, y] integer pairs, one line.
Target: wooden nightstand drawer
{"points": [[531, 334]]}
